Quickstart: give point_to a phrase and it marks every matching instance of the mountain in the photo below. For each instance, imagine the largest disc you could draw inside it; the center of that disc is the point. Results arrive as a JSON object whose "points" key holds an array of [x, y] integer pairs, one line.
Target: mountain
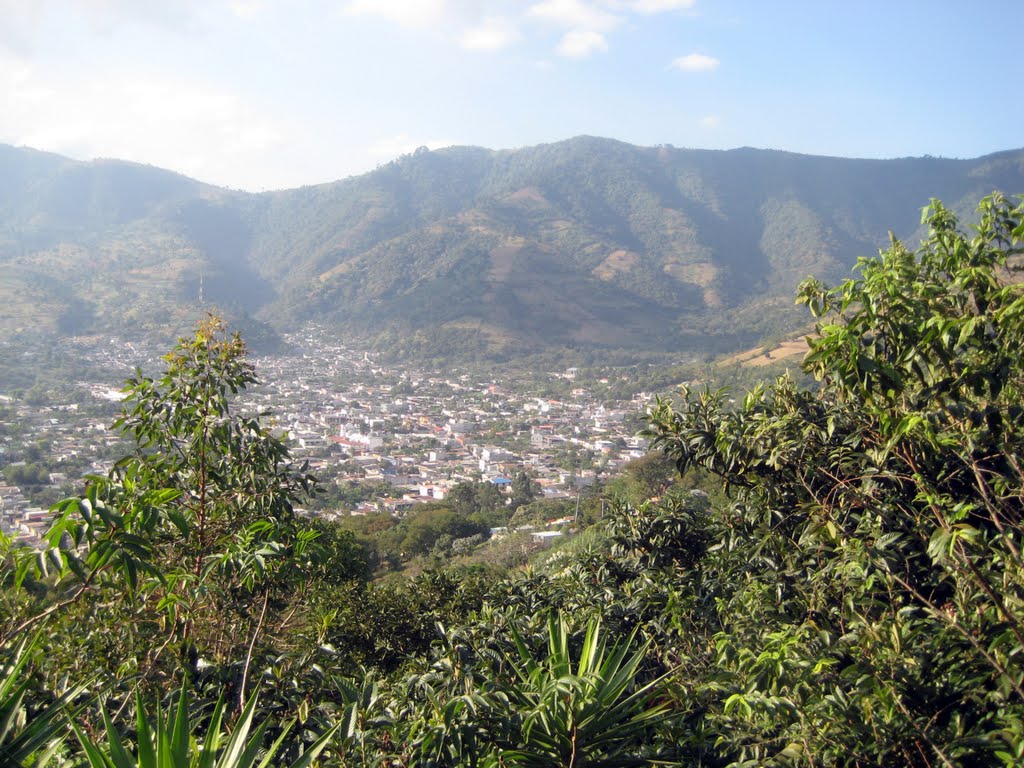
{"points": [[587, 243]]}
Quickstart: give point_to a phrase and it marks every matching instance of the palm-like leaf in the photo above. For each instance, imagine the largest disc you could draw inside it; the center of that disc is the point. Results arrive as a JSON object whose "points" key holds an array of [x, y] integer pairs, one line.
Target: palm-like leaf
{"points": [[172, 741], [28, 740], [593, 711]]}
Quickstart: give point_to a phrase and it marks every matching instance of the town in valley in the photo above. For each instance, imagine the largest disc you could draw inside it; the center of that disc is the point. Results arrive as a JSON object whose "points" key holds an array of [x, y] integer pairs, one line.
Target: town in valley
{"points": [[398, 437]]}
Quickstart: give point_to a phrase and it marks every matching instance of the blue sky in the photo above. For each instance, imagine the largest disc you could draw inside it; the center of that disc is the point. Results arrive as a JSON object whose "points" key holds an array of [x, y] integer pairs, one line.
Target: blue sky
{"points": [[266, 94]]}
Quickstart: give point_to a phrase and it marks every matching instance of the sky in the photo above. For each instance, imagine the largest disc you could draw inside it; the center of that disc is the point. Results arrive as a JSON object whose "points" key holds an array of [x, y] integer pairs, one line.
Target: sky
{"points": [[272, 94]]}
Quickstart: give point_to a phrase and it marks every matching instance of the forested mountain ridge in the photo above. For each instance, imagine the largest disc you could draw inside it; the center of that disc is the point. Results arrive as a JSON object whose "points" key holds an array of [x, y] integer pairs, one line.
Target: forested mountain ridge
{"points": [[583, 243]]}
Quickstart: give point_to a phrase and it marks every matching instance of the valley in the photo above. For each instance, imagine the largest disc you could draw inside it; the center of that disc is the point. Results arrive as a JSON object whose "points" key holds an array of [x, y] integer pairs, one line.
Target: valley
{"points": [[405, 436]]}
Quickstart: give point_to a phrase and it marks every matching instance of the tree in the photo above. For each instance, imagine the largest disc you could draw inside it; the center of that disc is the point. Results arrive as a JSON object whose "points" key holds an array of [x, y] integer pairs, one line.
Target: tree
{"points": [[421, 531], [868, 579], [524, 490], [194, 533], [469, 498], [646, 477]]}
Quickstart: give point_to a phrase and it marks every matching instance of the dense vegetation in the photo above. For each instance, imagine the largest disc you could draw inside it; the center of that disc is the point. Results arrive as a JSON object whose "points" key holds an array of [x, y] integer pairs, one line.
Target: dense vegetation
{"points": [[853, 596], [593, 248]]}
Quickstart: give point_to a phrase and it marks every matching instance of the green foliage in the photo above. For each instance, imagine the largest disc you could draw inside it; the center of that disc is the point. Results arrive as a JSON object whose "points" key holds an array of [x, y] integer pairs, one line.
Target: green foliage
{"points": [[341, 557], [855, 599], [540, 511], [508, 697], [644, 478], [175, 740], [468, 499], [187, 561], [867, 579], [523, 491], [237, 487], [384, 626], [190, 543], [31, 727], [587, 710], [348, 495], [431, 525], [26, 474]]}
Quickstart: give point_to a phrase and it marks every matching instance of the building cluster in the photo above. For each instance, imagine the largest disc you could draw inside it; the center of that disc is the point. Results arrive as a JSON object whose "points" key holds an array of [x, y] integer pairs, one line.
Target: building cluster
{"points": [[422, 432], [48, 447], [413, 434], [18, 518]]}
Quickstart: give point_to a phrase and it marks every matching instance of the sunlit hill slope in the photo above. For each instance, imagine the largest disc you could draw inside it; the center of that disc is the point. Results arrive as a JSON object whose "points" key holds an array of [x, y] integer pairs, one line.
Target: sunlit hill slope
{"points": [[468, 252]]}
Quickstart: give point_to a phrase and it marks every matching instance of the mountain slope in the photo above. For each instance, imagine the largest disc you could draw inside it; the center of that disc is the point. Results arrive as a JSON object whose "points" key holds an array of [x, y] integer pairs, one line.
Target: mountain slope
{"points": [[466, 251]]}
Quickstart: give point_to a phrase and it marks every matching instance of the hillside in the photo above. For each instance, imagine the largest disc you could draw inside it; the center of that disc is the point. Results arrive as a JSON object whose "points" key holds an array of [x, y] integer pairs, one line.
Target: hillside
{"points": [[586, 243]]}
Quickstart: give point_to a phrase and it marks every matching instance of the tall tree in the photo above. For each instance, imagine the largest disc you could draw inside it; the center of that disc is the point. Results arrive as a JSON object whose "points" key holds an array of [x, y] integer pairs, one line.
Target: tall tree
{"points": [[196, 529], [870, 581], [524, 490]]}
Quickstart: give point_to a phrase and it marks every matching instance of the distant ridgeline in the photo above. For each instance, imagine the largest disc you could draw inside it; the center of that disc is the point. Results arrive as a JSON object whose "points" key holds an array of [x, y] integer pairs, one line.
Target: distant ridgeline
{"points": [[586, 244]]}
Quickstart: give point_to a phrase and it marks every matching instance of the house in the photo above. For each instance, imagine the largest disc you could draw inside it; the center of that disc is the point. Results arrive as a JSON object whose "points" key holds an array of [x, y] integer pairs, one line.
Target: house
{"points": [[310, 440], [545, 538]]}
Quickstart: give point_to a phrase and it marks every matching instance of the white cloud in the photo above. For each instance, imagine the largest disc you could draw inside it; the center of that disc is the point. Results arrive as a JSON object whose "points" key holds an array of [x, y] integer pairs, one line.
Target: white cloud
{"points": [[584, 24], [193, 128], [24, 22], [711, 121], [407, 13], [19, 20], [491, 34], [580, 43], [247, 9], [184, 16], [574, 14], [696, 62], [649, 7]]}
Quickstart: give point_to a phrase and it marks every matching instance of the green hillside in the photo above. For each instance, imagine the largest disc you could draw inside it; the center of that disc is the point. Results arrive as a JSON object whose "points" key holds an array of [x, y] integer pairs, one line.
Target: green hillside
{"points": [[587, 244]]}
